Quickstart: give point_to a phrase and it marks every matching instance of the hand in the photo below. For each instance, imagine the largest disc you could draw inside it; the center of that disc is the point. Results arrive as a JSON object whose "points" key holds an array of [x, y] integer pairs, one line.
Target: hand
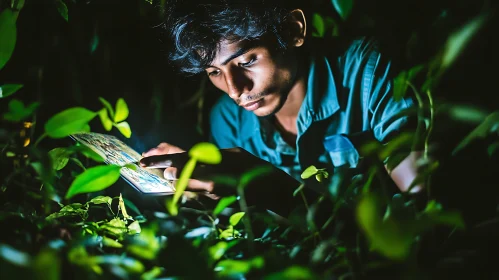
{"points": [[171, 170], [273, 191]]}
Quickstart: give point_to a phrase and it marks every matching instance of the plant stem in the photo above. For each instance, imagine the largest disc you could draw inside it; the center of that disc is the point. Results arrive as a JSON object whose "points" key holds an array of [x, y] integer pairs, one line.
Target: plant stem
{"points": [[246, 218], [40, 139], [420, 115], [427, 139]]}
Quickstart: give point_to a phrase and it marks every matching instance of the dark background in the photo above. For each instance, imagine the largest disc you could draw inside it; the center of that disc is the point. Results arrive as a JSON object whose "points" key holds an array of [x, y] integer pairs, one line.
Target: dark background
{"points": [[113, 49]]}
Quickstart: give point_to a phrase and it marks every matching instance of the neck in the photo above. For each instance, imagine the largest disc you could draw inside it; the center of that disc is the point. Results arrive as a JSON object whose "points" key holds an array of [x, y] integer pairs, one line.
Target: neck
{"points": [[288, 113]]}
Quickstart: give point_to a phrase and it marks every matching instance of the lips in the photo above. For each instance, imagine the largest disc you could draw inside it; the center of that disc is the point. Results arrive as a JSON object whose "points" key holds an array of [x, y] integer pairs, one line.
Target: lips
{"points": [[251, 106]]}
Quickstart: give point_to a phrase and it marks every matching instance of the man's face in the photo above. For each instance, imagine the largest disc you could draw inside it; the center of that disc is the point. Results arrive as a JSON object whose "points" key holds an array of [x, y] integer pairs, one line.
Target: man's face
{"points": [[255, 77]]}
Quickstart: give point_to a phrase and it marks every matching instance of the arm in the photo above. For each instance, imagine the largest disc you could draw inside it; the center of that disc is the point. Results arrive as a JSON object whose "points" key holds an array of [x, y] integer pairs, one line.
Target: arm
{"points": [[386, 122], [405, 172]]}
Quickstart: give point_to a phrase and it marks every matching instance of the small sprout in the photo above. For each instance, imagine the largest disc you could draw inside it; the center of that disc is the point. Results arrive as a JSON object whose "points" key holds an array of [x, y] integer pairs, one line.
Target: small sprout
{"points": [[206, 153]]}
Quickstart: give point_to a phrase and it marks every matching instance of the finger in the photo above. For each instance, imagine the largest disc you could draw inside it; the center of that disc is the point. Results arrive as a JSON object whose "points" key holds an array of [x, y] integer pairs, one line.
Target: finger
{"points": [[199, 186], [158, 150], [195, 195], [164, 161], [170, 173], [162, 149]]}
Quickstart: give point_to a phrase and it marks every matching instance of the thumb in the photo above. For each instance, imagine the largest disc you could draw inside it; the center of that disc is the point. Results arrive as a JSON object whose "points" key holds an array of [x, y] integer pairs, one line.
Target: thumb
{"points": [[170, 173]]}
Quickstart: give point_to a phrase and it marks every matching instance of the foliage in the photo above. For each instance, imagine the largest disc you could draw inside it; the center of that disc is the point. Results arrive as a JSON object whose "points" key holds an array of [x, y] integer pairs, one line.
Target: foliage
{"points": [[59, 220]]}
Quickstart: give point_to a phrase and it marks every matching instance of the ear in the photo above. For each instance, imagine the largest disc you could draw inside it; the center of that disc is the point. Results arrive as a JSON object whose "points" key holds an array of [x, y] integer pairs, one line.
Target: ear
{"points": [[298, 27]]}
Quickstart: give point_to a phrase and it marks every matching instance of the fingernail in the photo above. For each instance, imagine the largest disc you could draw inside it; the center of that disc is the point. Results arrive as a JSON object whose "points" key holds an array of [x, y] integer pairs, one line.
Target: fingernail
{"points": [[169, 176]]}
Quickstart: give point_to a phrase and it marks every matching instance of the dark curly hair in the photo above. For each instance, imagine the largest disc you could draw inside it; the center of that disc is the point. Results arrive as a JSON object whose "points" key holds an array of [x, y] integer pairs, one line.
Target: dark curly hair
{"points": [[197, 27]]}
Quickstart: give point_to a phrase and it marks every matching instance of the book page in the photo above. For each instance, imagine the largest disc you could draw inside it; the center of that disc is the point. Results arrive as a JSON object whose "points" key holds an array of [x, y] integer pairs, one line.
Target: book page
{"points": [[115, 151]]}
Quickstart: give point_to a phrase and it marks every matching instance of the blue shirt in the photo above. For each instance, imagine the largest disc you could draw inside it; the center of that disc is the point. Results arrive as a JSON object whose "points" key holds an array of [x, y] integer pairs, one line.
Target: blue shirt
{"points": [[346, 94]]}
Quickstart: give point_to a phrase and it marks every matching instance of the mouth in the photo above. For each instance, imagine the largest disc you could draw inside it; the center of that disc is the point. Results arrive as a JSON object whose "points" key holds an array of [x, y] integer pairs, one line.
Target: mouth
{"points": [[251, 106]]}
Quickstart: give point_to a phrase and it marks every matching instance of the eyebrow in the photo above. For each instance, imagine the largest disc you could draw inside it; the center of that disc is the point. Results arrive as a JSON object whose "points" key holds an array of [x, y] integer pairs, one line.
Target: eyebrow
{"points": [[239, 52]]}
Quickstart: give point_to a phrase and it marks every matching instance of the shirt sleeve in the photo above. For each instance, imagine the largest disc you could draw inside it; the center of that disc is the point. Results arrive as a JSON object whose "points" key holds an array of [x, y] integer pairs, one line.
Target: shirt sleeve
{"points": [[370, 74], [386, 118], [224, 120]]}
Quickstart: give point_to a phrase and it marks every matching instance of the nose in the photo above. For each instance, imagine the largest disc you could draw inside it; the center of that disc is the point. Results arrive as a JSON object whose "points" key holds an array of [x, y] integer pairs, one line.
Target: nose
{"points": [[238, 82]]}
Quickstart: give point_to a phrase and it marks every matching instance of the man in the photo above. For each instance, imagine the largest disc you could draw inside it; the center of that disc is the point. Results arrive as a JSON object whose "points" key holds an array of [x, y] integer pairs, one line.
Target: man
{"points": [[288, 102]]}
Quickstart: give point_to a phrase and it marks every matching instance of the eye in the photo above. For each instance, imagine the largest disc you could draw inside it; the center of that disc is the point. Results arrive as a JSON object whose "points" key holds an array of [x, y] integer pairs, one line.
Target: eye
{"points": [[247, 64], [214, 73]]}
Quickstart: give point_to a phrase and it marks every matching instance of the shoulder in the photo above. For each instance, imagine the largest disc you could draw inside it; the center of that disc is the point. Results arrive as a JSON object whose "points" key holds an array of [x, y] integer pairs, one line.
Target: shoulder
{"points": [[344, 49], [359, 53]]}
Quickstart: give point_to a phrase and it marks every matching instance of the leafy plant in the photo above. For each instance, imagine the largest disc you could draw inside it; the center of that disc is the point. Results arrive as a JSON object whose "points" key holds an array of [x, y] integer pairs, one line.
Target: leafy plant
{"points": [[61, 220]]}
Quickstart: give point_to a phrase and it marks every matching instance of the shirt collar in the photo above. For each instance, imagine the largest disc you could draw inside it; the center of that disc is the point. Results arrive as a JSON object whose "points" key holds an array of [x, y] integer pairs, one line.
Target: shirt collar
{"points": [[321, 99]]}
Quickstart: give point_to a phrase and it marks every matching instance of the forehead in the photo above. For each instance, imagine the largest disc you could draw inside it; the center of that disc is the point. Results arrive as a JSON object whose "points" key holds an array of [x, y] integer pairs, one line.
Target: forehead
{"points": [[228, 50]]}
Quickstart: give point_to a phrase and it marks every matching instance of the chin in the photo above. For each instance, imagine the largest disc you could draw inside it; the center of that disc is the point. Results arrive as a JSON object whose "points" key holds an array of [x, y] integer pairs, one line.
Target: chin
{"points": [[268, 109]]}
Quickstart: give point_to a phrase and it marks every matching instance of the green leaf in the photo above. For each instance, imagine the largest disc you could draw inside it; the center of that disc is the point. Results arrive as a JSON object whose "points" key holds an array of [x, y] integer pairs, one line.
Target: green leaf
{"points": [[67, 122], [292, 272], [401, 82], [229, 233], [218, 250], [60, 157], [395, 159], [129, 264], [108, 242], [17, 112], [107, 123], [121, 111], [134, 228], [343, 7], [235, 218], [423, 174], [115, 226], [433, 206], [101, 200], [492, 149], [122, 208], [488, 125], [152, 274], [88, 152], [458, 40], [131, 206], [124, 128], [223, 203], [254, 173], [465, 113], [94, 179], [44, 170], [238, 267], [94, 43], [232, 181], [318, 24], [62, 9], [16, 5], [144, 245], [385, 236], [47, 265], [108, 106], [319, 177], [9, 89], [309, 172], [449, 218], [78, 162], [8, 35], [401, 141], [206, 153]]}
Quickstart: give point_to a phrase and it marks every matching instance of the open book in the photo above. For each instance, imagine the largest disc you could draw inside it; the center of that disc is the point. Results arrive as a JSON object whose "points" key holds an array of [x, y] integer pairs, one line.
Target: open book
{"points": [[114, 151]]}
